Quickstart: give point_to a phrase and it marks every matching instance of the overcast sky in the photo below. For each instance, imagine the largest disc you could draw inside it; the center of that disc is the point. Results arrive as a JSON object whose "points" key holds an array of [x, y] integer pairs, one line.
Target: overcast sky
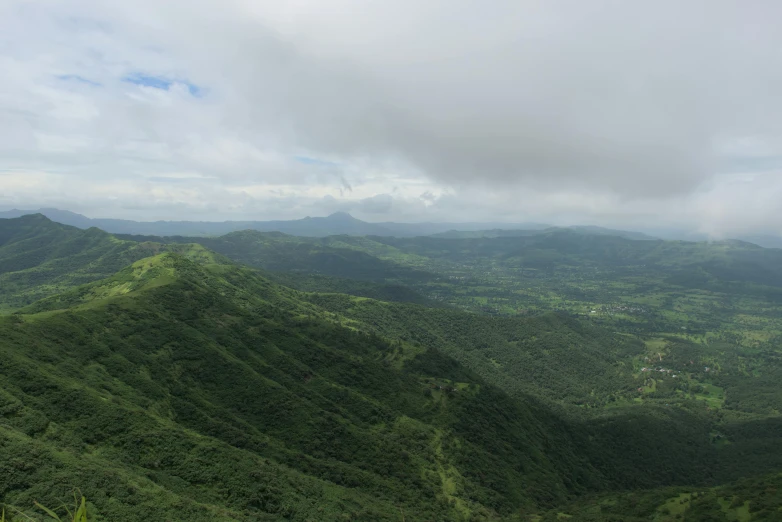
{"points": [[606, 112]]}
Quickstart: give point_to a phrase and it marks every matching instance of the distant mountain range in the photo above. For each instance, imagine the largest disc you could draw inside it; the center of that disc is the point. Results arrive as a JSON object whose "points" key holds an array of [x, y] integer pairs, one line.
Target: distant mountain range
{"points": [[763, 240], [587, 230], [342, 223], [339, 223]]}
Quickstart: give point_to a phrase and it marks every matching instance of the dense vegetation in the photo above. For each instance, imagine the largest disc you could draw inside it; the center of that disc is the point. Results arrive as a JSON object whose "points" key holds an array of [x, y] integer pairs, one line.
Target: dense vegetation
{"points": [[278, 252], [39, 258], [174, 385], [718, 298], [178, 385], [749, 499], [692, 290]]}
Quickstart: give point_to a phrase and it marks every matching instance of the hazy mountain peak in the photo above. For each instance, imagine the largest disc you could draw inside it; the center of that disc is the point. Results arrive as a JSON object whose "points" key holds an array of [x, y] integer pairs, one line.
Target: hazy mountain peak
{"points": [[341, 216], [33, 218]]}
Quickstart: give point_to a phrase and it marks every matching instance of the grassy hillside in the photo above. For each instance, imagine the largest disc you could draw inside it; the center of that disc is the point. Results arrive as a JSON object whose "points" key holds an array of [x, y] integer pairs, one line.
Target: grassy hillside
{"points": [[708, 313], [175, 388], [175, 385], [39, 257], [686, 342], [179, 385]]}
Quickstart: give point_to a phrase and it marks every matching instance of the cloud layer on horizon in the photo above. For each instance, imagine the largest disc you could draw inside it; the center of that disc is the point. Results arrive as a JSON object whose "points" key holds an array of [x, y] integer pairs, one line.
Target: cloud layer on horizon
{"points": [[604, 112]]}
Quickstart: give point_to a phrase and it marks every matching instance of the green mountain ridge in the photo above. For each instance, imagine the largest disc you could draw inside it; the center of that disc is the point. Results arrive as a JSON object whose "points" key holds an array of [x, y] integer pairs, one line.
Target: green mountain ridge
{"points": [[343, 223], [177, 365], [185, 386], [39, 257], [169, 349], [697, 291], [333, 256]]}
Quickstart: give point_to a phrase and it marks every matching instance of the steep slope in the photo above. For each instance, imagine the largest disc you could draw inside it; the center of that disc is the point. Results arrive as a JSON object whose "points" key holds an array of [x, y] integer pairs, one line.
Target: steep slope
{"points": [[590, 376], [202, 391], [552, 355], [203, 388], [39, 257]]}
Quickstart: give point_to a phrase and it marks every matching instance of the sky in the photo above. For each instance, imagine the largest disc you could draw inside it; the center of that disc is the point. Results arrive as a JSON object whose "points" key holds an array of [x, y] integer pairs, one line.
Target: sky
{"points": [[624, 114]]}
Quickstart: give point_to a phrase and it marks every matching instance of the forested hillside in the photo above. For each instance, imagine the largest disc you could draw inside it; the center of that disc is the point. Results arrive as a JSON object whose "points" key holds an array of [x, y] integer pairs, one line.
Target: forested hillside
{"points": [[175, 384], [39, 257], [752, 498], [552, 355], [280, 252], [729, 291], [185, 386]]}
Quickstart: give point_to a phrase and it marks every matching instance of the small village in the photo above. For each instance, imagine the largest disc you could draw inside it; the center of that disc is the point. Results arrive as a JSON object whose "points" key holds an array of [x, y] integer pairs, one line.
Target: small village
{"points": [[660, 370]]}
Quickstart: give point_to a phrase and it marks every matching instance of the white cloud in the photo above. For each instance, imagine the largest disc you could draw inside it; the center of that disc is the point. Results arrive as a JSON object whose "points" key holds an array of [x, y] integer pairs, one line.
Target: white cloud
{"points": [[604, 112]]}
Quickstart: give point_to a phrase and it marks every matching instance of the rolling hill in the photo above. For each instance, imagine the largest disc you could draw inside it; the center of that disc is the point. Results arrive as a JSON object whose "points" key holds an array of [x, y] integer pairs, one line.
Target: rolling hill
{"points": [[176, 385], [202, 391], [39, 257], [185, 386]]}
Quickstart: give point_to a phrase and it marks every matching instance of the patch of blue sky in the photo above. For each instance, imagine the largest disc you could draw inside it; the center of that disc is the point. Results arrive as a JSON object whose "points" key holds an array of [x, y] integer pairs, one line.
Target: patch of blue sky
{"points": [[78, 79], [161, 82], [315, 161]]}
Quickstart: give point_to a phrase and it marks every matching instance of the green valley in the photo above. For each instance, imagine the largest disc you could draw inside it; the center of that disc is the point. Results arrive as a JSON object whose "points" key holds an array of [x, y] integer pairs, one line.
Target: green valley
{"points": [[259, 376], [718, 302], [728, 290], [174, 384]]}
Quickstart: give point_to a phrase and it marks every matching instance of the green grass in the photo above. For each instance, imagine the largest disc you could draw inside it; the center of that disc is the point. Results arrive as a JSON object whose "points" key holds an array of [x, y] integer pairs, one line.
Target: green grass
{"points": [[715, 397], [79, 513], [656, 345], [39, 258], [673, 508], [740, 513]]}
